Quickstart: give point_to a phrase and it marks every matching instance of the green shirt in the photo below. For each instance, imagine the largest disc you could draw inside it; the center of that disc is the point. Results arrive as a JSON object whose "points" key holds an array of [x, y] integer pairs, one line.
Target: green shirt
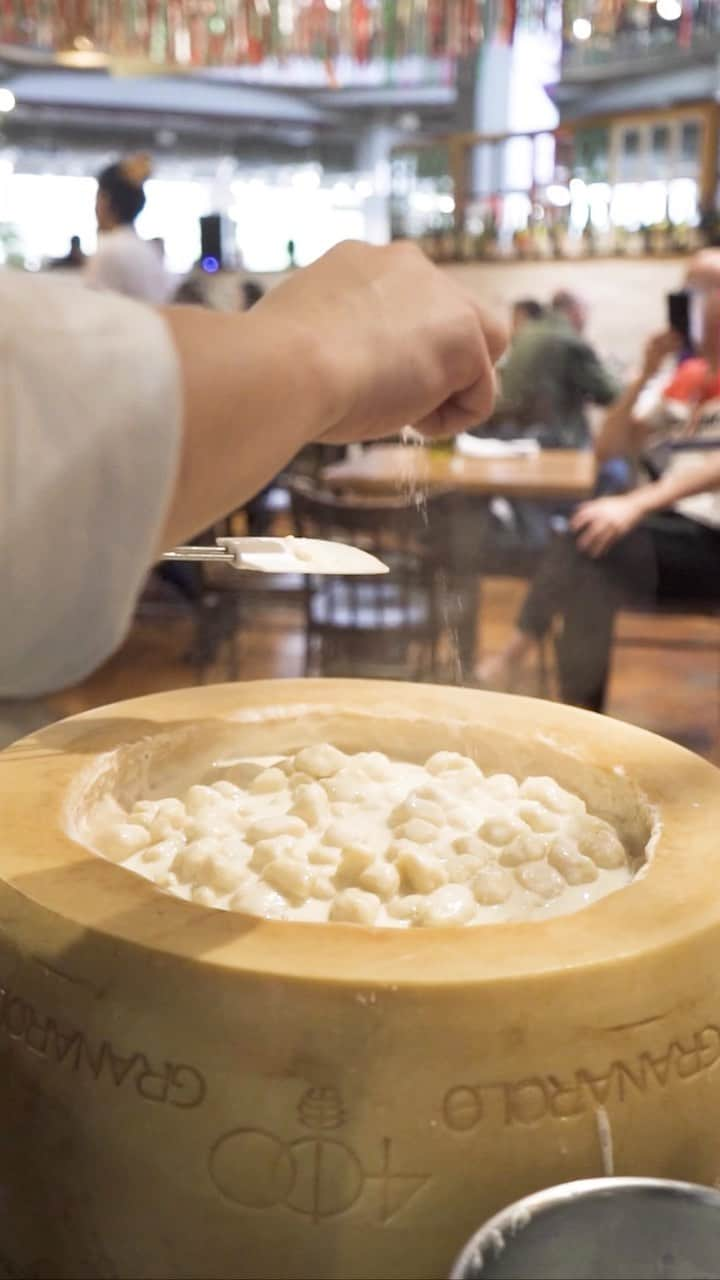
{"points": [[550, 375]]}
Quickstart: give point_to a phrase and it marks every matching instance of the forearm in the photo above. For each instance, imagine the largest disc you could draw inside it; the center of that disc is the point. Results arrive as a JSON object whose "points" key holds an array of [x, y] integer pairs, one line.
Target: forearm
{"points": [[253, 395], [671, 489], [618, 434]]}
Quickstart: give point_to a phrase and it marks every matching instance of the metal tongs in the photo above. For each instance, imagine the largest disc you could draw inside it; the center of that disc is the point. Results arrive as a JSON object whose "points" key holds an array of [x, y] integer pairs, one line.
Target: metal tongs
{"points": [[283, 555]]}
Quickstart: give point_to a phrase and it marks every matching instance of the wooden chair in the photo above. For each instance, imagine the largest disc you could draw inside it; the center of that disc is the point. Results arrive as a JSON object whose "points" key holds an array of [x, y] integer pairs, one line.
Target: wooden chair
{"points": [[645, 638], [211, 607], [479, 546], [386, 625]]}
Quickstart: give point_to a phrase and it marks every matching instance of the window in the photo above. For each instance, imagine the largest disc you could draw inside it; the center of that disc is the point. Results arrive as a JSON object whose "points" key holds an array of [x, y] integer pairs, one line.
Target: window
{"points": [[660, 138], [660, 141], [631, 154], [591, 159], [690, 141]]}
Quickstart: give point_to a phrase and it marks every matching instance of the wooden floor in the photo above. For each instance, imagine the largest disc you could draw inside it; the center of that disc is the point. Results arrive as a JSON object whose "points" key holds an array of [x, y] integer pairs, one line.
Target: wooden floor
{"points": [[673, 692]]}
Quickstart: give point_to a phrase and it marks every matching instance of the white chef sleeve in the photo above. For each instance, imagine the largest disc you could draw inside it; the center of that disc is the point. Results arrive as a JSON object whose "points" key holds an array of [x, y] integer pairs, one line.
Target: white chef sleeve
{"points": [[90, 424]]}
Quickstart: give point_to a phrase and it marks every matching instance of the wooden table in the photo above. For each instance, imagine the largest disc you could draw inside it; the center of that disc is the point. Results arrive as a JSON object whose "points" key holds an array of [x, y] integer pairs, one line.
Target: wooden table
{"points": [[562, 474]]}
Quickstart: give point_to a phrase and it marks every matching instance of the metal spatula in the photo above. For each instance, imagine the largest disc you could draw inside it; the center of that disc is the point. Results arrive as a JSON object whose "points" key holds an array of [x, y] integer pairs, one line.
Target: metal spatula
{"points": [[283, 555]]}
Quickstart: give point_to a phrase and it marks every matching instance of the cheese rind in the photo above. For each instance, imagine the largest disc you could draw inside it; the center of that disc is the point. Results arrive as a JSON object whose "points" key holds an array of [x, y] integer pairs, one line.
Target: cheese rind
{"points": [[345, 1099]]}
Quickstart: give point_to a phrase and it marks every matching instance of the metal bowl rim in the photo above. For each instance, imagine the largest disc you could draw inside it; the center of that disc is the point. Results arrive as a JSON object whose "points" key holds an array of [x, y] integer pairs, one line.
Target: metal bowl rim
{"points": [[565, 1192]]}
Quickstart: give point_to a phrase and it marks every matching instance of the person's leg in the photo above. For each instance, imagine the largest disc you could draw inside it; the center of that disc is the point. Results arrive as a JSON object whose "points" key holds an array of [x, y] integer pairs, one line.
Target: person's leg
{"points": [[546, 596], [596, 589], [666, 558], [258, 514], [688, 556], [586, 594], [184, 576]]}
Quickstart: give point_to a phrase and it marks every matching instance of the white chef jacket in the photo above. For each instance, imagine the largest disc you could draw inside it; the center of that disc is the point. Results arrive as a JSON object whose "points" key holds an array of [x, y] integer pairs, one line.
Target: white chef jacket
{"points": [[126, 264], [90, 424]]}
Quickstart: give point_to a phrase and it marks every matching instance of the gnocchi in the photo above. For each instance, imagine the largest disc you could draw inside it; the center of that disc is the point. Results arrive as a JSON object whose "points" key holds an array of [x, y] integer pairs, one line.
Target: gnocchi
{"points": [[362, 839]]}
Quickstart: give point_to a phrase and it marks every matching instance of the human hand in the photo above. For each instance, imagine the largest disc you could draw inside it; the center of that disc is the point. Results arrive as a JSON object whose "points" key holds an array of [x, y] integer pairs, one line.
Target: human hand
{"points": [[599, 524], [394, 341], [657, 349], [704, 270]]}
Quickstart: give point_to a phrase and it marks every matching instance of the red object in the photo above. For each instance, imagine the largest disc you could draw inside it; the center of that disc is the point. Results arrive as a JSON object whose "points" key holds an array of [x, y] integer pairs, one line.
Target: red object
{"points": [[361, 31], [508, 22], [168, 29], [693, 382], [685, 32], [255, 52]]}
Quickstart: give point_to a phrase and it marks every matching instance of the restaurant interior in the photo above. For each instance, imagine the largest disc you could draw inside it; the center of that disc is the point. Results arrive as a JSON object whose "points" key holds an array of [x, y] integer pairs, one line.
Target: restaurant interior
{"points": [[528, 164], [559, 161]]}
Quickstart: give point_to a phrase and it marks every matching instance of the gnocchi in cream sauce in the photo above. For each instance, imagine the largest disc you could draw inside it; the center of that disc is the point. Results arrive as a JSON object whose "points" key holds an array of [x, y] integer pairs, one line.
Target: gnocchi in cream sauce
{"points": [[363, 839]]}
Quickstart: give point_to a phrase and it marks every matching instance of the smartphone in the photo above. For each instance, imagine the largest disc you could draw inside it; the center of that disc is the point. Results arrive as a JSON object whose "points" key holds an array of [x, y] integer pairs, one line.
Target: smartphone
{"points": [[678, 307], [684, 310]]}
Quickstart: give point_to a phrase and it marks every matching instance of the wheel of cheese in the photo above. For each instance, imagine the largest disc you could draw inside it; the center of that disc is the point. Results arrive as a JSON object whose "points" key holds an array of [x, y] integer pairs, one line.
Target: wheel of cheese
{"points": [[190, 1092]]}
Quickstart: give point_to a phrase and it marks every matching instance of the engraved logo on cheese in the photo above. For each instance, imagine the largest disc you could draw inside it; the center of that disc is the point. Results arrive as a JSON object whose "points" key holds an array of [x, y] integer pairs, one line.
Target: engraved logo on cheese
{"points": [[252, 1168], [321, 1109], [317, 1176], [328, 1177]]}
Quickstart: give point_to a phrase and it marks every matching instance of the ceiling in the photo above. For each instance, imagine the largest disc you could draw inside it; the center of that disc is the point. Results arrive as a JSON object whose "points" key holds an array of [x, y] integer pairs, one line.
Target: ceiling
{"points": [[211, 111]]}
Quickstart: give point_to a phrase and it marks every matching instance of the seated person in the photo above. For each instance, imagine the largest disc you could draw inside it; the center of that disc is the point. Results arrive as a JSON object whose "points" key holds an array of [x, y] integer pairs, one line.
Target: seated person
{"points": [[659, 541], [548, 378], [550, 375], [524, 312]]}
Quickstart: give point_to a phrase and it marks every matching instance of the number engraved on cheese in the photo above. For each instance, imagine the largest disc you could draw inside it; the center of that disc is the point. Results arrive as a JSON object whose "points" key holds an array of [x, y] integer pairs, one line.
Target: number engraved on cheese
{"points": [[317, 1177], [174, 1083], [535, 1098], [328, 1178], [252, 1168], [396, 1189]]}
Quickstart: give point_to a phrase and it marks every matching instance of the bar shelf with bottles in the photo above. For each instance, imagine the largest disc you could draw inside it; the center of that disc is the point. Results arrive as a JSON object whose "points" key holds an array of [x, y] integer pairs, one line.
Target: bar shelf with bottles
{"points": [[643, 184]]}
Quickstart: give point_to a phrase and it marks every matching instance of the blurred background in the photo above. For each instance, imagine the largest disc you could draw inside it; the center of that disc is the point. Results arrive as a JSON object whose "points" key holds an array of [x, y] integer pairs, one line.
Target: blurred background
{"points": [[530, 146]]}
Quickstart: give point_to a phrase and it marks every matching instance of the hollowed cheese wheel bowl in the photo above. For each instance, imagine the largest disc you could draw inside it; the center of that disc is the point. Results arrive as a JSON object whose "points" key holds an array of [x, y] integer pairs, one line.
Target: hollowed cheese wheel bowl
{"points": [[195, 1092]]}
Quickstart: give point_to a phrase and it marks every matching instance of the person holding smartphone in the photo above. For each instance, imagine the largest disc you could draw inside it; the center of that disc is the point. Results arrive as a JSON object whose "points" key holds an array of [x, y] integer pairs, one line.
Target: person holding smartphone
{"points": [[660, 541]]}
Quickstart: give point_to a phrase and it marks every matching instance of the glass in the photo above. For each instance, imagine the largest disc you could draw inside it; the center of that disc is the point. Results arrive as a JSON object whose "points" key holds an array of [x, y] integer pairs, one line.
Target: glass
{"points": [[660, 140], [630, 154], [690, 140], [592, 150]]}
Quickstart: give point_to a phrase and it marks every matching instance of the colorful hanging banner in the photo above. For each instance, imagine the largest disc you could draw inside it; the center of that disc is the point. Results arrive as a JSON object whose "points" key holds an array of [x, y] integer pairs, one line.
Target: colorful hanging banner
{"points": [[179, 34]]}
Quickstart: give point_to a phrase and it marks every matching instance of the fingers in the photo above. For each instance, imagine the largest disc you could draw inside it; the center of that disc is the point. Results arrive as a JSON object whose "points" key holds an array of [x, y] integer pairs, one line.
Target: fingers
{"points": [[470, 360], [399, 340], [597, 538], [691, 426], [594, 541], [704, 270], [594, 532], [496, 334], [463, 410], [581, 516], [658, 348], [663, 343]]}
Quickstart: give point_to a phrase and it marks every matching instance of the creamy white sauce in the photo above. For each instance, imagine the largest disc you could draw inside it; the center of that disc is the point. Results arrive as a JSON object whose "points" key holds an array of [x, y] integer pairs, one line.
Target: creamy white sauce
{"points": [[363, 839]]}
